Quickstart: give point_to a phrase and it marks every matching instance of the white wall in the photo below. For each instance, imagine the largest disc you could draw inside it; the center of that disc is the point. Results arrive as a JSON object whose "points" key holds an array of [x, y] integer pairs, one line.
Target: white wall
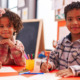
{"points": [[4, 3], [46, 13]]}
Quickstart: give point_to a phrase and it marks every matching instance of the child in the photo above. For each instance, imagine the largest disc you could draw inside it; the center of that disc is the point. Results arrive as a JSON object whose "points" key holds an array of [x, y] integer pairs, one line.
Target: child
{"points": [[66, 57], [11, 50]]}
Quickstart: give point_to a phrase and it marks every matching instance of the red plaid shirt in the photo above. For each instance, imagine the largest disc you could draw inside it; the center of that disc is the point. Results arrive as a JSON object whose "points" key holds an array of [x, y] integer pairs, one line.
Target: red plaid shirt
{"points": [[12, 55]]}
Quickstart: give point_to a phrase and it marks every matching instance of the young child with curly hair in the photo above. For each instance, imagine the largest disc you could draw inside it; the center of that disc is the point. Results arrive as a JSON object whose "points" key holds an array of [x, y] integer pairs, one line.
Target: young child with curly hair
{"points": [[11, 50]]}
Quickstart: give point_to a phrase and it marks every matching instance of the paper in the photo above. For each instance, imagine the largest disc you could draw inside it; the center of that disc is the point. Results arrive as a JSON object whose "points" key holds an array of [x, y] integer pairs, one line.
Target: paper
{"points": [[46, 76], [14, 78], [7, 69], [19, 13], [25, 14], [57, 4], [21, 3]]}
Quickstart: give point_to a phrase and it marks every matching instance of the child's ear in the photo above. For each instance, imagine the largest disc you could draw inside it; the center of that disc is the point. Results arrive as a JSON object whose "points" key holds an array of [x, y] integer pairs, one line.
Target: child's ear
{"points": [[14, 32]]}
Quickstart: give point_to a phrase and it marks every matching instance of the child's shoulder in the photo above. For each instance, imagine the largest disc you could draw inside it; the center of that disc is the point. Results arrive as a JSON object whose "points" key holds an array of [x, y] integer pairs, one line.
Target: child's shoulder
{"points": [[61, 40]]}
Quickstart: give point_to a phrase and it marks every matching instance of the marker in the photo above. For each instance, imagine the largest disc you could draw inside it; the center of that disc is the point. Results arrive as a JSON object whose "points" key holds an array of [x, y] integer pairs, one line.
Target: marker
{"points": [[25, 55], [31, 56], [24, 72], [28, 56], [32, 73]]}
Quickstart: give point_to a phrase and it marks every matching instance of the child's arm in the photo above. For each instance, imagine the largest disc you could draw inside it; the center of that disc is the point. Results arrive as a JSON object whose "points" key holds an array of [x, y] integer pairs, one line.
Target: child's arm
{"points": [[65, 73], [17, 51], [52, 62]]}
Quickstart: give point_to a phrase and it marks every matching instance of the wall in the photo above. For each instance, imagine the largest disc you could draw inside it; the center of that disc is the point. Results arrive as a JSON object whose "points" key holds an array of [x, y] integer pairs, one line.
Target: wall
{"points": [[30, 4], [3, 3]]}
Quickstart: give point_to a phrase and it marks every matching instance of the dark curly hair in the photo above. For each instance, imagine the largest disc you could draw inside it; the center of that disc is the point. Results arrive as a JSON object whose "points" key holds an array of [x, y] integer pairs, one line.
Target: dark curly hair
{"points": [[14, 19], [69, 7]]}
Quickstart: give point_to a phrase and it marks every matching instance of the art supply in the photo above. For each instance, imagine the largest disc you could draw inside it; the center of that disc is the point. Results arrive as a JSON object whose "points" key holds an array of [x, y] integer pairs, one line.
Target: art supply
{"points": [[25, 55], [47, 58], [24, 72], [33, 73], [29, 56], [33, 55], [30, 64]]}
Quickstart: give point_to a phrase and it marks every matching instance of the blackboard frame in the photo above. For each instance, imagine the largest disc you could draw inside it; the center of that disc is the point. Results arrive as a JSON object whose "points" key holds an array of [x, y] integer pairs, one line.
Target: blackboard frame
{"points": [[40, 36]]}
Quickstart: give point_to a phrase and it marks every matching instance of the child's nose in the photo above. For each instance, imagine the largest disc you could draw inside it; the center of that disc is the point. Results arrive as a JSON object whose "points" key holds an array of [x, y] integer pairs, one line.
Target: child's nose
{"points": [[5, 28], [75, 21]]}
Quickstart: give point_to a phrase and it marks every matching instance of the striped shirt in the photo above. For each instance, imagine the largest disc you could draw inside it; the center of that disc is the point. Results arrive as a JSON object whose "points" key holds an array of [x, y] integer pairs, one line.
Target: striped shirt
{"points": [[66, 55]]}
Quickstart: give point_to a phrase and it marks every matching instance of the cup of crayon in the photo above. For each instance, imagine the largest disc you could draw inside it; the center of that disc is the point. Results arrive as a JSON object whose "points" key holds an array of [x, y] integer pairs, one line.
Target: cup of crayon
{"points": [[30, 64]]}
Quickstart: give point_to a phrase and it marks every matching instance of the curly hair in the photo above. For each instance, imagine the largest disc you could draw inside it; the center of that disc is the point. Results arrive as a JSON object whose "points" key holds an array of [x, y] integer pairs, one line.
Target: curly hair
{"points": [[69, 7], [14, 19]]}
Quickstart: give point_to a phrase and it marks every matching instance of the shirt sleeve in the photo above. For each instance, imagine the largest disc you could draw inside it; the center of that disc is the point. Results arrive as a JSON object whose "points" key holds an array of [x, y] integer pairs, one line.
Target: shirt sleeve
{"points": [[17, 53], [75, 69], [54, 56], [53, 59]]}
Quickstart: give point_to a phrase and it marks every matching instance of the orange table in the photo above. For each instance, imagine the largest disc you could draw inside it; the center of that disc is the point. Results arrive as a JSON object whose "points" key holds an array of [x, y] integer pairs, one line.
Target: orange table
{"points": [[18, 68]]}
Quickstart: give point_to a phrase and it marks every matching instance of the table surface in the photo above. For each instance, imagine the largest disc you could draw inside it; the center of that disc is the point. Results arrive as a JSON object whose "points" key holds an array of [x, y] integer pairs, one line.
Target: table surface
{"points": [[18, 68]]}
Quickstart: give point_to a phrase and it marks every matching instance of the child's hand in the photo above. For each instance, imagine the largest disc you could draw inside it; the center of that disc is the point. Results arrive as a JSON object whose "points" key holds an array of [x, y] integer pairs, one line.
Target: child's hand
{"points": [[2, 11], [45, 68], [65, 73], [7, 41]]}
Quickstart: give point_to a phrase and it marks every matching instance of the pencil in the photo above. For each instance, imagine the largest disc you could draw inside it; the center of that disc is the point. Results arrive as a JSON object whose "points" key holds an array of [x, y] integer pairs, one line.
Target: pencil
{"points": [[47, 58]]}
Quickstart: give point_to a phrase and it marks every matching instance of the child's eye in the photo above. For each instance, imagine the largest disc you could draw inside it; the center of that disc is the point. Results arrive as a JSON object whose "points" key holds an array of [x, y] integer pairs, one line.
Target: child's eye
{"points": [[1, 26], [9, 25], [78, 18], [69, 19]]}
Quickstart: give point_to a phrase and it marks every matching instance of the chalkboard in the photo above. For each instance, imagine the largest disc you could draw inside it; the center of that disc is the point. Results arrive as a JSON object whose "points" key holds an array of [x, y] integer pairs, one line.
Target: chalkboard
{"points": [[30, 36]]}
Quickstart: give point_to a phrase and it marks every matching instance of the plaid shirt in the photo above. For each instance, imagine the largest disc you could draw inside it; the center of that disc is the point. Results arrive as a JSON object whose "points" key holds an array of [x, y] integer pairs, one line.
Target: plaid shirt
{"points": [[12, 55], [66, 55]]}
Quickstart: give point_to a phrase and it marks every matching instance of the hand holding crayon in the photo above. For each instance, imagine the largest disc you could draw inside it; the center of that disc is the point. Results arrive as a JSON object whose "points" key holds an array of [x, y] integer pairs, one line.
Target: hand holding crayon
{"points": [[46, 66]]}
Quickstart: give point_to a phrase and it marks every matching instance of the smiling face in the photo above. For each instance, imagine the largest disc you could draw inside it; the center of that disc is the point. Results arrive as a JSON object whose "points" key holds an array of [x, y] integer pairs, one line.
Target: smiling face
{"points": [[6, 28], [73, 21]]}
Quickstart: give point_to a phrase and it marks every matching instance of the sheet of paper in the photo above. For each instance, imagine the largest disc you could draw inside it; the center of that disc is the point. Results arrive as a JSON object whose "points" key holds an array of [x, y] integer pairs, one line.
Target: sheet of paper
{"points": [[25, 14], [19, 13], [46, 76], [13, 78], [7, 69], [21, 3]]}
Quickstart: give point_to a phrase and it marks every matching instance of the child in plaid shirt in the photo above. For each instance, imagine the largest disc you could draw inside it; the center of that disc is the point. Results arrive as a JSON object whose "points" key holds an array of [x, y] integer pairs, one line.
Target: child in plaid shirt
{"points": [[66, 56], [11, 50]]}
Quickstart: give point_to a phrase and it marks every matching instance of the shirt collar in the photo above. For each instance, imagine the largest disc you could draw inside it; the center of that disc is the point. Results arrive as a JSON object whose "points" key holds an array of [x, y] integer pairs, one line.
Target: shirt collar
{"points": [[69, 37]]}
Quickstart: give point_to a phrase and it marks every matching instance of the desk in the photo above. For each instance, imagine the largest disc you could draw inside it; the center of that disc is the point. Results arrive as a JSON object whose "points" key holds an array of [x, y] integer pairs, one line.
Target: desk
{"points": [[18, 68]]}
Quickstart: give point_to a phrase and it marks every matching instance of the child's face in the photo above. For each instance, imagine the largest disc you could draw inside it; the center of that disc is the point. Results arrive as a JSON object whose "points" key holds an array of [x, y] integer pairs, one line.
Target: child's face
{"points": [[6, 28], [73, 21]]}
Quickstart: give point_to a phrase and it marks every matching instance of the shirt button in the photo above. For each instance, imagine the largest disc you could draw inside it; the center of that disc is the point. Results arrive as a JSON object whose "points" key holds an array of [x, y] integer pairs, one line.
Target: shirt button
{"points": [[67, 58], [66, 67]]}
